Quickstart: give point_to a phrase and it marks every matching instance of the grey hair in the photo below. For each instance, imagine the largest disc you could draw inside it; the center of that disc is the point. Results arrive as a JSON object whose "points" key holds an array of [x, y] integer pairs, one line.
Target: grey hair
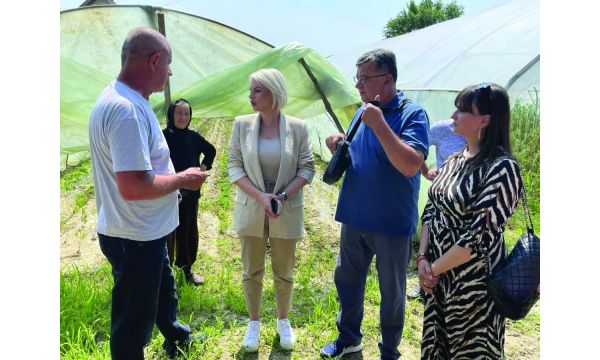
{"points": [[142, 42], [383, 60], [273, 80]]}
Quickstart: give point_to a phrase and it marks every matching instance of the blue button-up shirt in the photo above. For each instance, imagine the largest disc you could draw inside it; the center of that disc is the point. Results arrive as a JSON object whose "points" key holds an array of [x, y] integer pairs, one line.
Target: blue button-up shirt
{"points": [[375, 196]]}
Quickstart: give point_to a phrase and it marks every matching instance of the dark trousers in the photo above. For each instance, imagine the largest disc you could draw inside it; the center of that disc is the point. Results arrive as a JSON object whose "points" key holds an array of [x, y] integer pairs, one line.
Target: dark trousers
{"points": [[357, 249], [143, 294], [183, 242]]}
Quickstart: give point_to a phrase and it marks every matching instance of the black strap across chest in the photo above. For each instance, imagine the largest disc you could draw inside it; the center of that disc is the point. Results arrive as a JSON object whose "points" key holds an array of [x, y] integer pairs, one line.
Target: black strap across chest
{"points": [[384, 110]]}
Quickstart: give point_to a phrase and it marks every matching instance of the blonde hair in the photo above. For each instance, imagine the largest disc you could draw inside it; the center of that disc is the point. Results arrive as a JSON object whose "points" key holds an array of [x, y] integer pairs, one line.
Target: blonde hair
{"points": [[272, 80]]}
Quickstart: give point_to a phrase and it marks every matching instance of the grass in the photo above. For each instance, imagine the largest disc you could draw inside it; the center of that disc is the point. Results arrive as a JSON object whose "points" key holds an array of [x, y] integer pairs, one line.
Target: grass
{"points": [[525, 140], [85, 313], [78, 180], [73, 176], [218, 308], [78, 183]]}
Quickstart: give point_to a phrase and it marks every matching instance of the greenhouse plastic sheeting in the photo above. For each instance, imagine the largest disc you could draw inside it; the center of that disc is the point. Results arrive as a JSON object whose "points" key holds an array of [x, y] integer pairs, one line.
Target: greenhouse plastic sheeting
{"points": [[499, 45], [226, 94], [93, 36], [91, 40], [211, 65], [80, 85]]}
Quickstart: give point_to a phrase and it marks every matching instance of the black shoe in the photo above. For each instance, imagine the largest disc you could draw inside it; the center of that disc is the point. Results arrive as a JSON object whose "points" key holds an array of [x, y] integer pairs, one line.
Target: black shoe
{"points": [[176, 348]]}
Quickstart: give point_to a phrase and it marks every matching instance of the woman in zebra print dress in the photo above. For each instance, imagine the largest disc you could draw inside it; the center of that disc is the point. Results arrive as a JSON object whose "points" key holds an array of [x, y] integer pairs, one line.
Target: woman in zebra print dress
{"points": [[470, 200]]}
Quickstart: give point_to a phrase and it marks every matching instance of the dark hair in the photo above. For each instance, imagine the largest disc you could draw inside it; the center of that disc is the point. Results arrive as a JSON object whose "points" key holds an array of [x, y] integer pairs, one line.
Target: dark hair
{"points": [[490, 99], [171, 113], [383, 59]]}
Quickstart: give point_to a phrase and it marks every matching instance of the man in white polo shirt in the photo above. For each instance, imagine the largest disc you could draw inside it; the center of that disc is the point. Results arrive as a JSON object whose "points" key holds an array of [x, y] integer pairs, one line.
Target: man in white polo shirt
{"points": [[136, 198]]}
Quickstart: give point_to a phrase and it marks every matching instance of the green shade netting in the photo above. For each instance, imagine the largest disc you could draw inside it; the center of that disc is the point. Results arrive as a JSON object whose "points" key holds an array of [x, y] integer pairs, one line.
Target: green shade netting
{"points": [[79, 87], [211, 65], [90, 48], [93, 36], [225, 94]]}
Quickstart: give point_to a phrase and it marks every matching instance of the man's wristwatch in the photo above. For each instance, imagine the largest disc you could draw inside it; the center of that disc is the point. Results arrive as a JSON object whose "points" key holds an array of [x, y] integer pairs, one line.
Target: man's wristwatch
{"points": [[283, 196]]}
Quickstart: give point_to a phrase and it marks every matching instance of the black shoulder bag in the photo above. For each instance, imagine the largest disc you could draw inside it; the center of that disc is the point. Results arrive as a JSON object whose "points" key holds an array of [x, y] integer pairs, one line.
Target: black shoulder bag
{"points": [[341, 158], [513, 286]]}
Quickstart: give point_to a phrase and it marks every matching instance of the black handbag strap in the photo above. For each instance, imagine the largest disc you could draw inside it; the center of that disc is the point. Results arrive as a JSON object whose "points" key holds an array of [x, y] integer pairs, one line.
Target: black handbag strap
{"points": [[528, 221], [376, 103]]}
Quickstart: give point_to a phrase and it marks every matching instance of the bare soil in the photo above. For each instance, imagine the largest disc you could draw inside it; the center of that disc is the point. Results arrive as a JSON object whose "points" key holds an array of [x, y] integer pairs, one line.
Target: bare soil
{"points": [[79, 242]]}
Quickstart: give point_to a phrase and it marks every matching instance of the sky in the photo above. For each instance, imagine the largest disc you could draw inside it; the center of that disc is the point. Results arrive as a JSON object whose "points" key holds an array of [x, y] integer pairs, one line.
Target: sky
{"points": [[328, 26]]}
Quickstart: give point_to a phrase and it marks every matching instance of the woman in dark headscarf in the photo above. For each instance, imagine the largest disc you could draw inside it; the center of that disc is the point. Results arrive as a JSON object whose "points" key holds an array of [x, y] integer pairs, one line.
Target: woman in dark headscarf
{"points": [[185, 147]]}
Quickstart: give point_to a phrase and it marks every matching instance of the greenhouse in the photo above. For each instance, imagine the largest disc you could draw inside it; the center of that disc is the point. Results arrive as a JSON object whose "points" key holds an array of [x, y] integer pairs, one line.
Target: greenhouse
{"points": [[211, 65], [212, 62], [500, 45]]}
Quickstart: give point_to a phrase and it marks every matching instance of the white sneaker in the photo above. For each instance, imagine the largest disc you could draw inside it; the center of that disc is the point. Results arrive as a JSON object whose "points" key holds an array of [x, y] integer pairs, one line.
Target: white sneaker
{"points": [[287, 338], [252, 336]]}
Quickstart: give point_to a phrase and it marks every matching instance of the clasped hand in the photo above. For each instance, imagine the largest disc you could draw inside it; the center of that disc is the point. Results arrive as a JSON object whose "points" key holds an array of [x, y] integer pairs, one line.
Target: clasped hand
{"points": [[426, 278], [265, 201]]}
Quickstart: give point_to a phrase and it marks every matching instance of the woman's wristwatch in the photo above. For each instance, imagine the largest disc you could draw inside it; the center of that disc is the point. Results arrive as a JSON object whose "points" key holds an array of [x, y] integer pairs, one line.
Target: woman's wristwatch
{"points": [[283, 196]]}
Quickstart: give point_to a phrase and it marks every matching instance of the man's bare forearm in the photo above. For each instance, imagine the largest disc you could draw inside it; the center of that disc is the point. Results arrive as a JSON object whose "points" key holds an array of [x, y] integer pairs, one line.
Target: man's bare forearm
{"points": [[141, 185]]}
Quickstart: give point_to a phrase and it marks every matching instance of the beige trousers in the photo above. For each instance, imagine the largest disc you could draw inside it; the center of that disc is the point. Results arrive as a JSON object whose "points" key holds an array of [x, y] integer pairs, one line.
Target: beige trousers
{"points": [[283, 259]]}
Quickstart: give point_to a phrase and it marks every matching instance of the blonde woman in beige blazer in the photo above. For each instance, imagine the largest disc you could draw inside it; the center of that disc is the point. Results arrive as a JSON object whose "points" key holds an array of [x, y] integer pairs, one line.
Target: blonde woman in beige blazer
{"points": [[270, 158]]}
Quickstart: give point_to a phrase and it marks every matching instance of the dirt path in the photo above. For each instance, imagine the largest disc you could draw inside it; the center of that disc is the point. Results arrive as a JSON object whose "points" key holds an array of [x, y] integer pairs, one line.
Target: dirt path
{"points": [[208, 223], [79, 243], [78, 238]]}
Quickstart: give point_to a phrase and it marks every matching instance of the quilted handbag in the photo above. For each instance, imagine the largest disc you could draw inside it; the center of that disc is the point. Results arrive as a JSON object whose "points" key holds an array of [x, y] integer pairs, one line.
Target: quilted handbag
{"points": [[341, 158], [513, 285]]}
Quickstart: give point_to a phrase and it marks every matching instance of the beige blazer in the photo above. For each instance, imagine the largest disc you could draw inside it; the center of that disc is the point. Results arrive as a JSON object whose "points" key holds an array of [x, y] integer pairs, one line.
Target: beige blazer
{"points": [[296, 160]]}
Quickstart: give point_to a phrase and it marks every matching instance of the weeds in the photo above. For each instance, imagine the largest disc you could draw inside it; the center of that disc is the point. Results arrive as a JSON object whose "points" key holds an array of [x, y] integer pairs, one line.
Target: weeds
{"points": [[218, 307], [525, 140], [71, 178]]}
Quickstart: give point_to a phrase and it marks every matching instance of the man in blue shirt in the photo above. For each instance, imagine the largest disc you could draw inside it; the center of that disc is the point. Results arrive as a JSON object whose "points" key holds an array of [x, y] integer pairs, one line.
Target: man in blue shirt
{"points": [[377, 204]]}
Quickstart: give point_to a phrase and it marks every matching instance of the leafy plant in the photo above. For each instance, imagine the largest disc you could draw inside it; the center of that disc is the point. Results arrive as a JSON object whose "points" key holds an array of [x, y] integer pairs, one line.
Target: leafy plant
{"points": [[218, 308], [525, 141], [71, 177], [420, 15]]}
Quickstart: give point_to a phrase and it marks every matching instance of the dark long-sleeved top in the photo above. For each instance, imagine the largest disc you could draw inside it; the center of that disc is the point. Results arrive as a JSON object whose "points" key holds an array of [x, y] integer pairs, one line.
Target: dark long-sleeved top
{"points": [[185, 147]]}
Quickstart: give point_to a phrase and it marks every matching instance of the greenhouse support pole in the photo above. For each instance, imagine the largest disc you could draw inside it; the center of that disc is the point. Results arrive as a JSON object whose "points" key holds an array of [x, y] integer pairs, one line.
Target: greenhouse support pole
{"points": [[322, 94], [167, 90]]}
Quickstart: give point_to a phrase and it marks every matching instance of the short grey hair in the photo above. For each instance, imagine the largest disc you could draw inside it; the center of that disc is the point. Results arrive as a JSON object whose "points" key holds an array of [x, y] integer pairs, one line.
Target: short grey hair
{"points": [[383, 60], [143, 41], [273, 80]]}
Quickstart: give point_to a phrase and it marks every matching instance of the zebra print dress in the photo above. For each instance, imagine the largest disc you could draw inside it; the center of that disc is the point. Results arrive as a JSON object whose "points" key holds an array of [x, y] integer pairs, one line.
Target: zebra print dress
{"points": [[459, 321]]}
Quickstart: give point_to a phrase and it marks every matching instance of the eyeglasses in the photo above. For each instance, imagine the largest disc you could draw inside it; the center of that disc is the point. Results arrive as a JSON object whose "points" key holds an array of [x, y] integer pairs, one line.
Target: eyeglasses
{"points": [[363, 79], [485, 89]]}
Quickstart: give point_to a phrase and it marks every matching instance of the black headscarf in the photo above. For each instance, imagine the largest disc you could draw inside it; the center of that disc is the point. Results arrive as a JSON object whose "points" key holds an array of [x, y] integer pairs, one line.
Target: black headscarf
{"points": [[171, 115]]}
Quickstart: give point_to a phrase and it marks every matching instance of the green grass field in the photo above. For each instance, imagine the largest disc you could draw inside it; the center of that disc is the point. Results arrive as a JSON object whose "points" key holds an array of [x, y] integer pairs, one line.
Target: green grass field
{"points": [[217, 307]]}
